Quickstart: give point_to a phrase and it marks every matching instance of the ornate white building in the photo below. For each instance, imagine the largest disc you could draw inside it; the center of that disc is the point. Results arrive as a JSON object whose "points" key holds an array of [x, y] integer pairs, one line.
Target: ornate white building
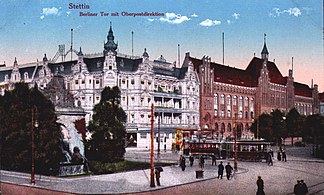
{"points": [[174, 91]]}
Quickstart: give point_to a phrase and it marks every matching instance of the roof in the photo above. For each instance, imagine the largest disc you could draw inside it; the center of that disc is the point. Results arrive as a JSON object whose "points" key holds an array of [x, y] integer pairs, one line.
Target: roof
{"points": [[302, 89], [248, 77], [321, 97], [254, 68]]}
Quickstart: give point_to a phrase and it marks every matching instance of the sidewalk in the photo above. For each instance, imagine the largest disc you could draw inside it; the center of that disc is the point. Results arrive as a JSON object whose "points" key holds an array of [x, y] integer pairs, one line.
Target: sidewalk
{"points": [[296, 167], [126, 182]]}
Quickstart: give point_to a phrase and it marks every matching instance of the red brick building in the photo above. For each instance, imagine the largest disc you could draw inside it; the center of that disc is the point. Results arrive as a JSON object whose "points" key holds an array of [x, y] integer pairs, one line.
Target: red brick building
{"points": [[229, 95]]}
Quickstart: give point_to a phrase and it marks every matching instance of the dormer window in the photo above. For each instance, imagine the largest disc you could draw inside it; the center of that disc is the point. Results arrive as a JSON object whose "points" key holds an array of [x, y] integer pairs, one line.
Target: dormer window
{"points": [[6, 77], [26, 75]]}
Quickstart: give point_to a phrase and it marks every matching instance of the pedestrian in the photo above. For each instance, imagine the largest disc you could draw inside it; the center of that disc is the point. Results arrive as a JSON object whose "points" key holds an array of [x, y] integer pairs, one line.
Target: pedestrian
{"points": [[202, 161], [284, 156], [213, 160], [279, 155], [191, 159], [220, 170], [157, 176], [180, 159], [229, 170], [298, 188], [304, 188], [260, 186], [270, 163], [183, 163]]}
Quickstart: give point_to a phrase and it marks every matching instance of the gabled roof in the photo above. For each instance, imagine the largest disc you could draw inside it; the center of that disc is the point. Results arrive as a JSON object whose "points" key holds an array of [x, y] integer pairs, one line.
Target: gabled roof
{"points": [[248, 77], [302, 89], [254, 68]]}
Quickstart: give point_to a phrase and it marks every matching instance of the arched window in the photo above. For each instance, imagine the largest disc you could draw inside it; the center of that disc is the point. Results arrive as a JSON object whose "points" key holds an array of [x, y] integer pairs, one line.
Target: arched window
{"points": [[234, 100], [25, 75], [229, 127], [222, 99]]}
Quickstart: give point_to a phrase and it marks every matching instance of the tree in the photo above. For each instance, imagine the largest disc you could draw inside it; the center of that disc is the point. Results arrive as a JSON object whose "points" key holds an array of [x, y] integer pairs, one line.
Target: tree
{"points": [[16, 109], [262, 127], [294, 123], [314, 129], [108, 132], [278, 125]]}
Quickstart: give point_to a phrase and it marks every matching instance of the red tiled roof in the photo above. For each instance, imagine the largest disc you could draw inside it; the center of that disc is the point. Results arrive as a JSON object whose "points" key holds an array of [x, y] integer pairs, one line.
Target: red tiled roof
{"points": [[224, 74], [254, 68], [302, 90], [248, 77]]}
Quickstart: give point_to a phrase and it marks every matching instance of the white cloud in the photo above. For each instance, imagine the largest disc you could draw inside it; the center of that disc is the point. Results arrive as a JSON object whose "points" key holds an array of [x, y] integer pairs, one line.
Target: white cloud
{"points": [[50, 11], [68, 13], [236, 15], [151, 19], [291, 12], [174, 18], [194, 15], [229, 22], [209, 22]]}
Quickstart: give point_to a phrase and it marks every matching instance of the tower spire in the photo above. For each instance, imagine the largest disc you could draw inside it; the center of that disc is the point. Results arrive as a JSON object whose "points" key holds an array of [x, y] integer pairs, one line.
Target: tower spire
{"points": [[110, 45], [264, 52]]}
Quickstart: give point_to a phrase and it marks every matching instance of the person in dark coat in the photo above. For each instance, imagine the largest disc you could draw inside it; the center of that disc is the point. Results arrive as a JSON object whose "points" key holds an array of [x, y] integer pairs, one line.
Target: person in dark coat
{"points": [[229, 170], [303, 188], [202, 161], [191, 160], [157, 176], [279, 155], [284, 156], [213, 160], [270, 163], [183, 163], [260, 186], [220, 170], [298, 188]]}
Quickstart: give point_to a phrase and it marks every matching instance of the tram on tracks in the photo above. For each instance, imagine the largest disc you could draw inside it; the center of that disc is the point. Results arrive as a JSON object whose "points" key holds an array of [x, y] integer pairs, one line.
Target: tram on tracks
{"points": [[247, 149]]}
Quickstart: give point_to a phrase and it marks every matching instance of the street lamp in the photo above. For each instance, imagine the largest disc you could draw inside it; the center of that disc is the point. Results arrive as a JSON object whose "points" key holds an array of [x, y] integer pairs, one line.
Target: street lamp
{"points": [[34, 125], [235, 144]]}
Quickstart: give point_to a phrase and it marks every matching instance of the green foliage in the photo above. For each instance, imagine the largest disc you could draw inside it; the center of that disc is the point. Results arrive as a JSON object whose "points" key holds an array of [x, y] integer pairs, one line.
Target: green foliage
{"points": [[278, 125], [16, 108], [107, 143], [294, 123]]}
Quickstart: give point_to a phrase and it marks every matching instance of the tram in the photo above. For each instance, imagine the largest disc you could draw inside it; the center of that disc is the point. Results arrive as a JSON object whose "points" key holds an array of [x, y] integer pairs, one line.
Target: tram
{"points": [[249, 150]]}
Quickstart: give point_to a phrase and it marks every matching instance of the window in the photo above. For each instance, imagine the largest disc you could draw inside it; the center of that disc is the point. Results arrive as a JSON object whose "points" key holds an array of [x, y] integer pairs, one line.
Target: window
{"points": [[222, 99], [143, 135], [235, 100], [76, 82], [132, 81], [83, 81], [228, 113], [26, 75], [228, 100]]}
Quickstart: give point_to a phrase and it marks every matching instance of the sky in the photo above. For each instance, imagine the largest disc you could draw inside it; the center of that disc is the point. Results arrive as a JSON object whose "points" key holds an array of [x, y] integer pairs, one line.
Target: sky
{"points": [[293, 28]]}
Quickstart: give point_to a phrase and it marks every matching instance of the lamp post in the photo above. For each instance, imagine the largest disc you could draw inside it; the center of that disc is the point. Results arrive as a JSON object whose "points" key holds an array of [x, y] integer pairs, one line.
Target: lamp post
{"points": [[235, 144], [34, 125], [152, 184], [159, 121]]}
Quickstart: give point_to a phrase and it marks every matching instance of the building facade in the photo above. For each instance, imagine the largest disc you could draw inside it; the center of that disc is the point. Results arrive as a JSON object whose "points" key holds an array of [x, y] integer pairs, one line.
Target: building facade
{"points": [[174, 91], [200, 94], [232, 97]]}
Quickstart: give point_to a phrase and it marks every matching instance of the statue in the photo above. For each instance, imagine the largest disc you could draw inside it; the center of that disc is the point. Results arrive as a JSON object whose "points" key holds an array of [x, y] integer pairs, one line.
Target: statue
{"points": [[78, 158]]}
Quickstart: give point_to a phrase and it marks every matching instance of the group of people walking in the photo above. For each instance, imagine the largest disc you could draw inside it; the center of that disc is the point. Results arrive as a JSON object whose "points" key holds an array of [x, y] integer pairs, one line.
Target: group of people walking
{"points": [[228, 168], [281, 156]]}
